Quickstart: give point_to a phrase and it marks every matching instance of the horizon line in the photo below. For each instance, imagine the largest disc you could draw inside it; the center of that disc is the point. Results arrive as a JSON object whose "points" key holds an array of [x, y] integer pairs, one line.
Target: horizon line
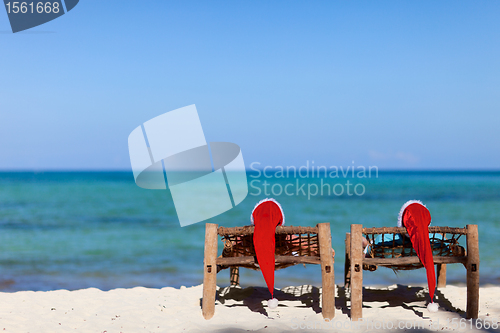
{"points": [[262, 169]]}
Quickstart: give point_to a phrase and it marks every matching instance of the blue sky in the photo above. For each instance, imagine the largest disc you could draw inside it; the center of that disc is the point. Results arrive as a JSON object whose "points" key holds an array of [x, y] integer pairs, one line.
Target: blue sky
{"points": [[397, 84]]}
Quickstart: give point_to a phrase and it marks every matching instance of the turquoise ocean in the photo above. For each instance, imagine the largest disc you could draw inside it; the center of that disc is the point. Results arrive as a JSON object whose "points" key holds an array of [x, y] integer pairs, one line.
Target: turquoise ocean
{"points": [[73, 230]]}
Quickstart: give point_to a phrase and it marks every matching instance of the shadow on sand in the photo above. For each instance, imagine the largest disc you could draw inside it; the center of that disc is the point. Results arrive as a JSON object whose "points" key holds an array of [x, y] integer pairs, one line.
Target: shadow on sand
{"points": [[399, 296], [256, 297]]}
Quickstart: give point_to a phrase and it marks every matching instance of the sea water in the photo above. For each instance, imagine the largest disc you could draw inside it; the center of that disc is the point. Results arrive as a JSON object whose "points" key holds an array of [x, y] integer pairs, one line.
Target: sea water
{"points": [[72, 230]]}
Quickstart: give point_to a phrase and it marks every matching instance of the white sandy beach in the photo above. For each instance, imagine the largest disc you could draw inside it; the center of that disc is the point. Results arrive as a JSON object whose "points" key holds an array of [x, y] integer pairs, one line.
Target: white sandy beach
{"points": [[237, 310]]}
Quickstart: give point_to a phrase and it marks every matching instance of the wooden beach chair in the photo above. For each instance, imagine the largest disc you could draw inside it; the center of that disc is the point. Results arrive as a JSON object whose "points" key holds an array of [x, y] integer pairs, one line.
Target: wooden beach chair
{"points": [[446, 250], [294, 245]]}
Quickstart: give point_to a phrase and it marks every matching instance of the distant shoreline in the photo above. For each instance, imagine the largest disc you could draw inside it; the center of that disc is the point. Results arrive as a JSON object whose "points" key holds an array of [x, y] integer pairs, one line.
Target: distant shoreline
{"points": [[380, 170]]}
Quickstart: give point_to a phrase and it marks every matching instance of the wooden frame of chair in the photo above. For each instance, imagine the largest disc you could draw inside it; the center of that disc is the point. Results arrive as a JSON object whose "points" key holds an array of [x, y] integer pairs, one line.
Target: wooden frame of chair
{"points": [[211, 261], [355, 261]]}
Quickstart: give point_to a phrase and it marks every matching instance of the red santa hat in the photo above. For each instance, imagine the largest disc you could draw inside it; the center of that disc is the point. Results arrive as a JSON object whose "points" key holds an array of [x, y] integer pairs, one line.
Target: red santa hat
{"points": [[266, 216], [416, 218]]}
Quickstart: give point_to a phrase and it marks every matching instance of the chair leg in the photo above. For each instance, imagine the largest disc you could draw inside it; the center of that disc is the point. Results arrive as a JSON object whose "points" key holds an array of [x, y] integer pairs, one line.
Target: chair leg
{"points": [[210, 271], [472, 272], [441, 275], [327, 271], [347, 266], [234, 276], [356, 269]]}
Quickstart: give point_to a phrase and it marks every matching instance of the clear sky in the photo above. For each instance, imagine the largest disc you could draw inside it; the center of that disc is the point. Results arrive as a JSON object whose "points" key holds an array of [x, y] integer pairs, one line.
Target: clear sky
{"points": [[397, 84]]}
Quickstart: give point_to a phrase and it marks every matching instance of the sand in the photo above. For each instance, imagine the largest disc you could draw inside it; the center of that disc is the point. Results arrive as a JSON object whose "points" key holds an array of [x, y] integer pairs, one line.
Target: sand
{"points": [[238, 310]]}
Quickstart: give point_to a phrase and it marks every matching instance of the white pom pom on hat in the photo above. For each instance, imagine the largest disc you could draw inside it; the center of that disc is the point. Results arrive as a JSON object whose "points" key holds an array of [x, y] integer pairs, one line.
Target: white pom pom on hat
{"points": [[433, 307], [272, 303]]}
